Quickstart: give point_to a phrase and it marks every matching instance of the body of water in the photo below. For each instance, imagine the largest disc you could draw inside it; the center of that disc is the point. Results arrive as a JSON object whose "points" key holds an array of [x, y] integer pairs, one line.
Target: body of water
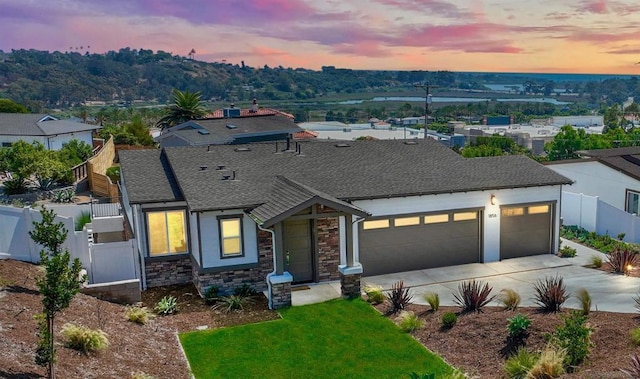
{"points": [[442, 99]]}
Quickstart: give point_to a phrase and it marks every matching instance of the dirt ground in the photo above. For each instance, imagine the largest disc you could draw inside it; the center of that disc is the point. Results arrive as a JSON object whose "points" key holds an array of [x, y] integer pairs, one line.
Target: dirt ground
{"points": [[476, 344]]}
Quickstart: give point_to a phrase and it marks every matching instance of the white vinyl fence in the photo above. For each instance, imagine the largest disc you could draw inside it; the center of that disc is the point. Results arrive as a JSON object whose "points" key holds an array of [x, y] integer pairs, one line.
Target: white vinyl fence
{"points": [[106, 262], [595, 215]]}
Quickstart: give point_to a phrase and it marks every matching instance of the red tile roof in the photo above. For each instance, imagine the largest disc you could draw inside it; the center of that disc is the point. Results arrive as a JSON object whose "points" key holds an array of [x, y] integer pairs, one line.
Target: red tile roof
{"points": [[248, 113], [305, 134]]}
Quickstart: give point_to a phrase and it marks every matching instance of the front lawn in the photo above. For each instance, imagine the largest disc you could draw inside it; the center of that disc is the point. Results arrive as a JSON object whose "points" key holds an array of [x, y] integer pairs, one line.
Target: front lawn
{"points": [[336, 339]]}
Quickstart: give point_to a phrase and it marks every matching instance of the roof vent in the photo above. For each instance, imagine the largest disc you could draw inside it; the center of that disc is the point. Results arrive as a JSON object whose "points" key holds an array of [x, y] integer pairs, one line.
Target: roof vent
{"points": [[343, 145], [203, 167], [231, 126], [220, 167], [241, 149], [410, 142], [204, 132]]}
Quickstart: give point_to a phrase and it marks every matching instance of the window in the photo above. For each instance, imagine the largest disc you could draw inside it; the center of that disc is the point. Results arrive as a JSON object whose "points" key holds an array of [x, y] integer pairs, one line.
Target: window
{"points": [[464, 216], [6, 144], [538, 209], [231, 237], [167, 232], [633, 202], [436, 219], [508, 212], [406, 221], [375, 224]]}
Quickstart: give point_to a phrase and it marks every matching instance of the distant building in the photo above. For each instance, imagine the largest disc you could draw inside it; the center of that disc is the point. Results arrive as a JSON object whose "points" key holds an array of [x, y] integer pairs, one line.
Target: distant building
{"points": [[44, 128]]}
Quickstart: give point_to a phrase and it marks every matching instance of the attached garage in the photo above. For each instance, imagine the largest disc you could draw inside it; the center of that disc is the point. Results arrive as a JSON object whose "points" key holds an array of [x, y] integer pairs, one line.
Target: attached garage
{"points": [[526, 230], [415, 242]]}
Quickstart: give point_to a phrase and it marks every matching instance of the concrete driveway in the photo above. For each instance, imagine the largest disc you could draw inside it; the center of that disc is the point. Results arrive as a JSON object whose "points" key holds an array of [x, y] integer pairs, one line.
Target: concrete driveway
{"points": [[609, 292]]}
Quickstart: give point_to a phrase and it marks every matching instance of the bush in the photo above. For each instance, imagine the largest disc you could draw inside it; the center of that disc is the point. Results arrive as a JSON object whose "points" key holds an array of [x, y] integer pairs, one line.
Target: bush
{"points": [[574, 337], [634, 372], [244, 290], [83, 219], [63, 196], [409, 322], [84, 339], [113, 173], [138, 315], [211, 295], [167, 305], [374, 294], [550, 293], [472, 296], [232, 303], [518, 326], [595, 261], [622, 260], [433, 299], [634, 335], [399, 297], [449, 319], [510, 299], [14, 186], [550, 364], [584, 298], [567, 252], [519, 365]]}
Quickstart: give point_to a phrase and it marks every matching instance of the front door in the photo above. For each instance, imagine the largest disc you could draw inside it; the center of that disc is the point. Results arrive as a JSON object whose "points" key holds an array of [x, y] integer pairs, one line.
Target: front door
{"points": [[298, 249]]}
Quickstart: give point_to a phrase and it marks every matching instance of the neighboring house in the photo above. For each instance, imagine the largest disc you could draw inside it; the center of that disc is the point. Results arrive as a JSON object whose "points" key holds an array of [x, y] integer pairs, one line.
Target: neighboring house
{"points": [[235, 129], [273, 215], [611, 174], [43, 128]]}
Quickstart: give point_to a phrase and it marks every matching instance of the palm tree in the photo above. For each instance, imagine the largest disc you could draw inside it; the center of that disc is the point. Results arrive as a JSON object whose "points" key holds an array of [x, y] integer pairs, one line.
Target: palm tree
{"points": [[186, 106]]}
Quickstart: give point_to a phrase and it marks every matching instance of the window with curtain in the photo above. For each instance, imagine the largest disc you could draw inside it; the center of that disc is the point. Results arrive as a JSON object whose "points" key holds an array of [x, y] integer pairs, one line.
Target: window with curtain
{"points": [[231, 237], [167, 232]]}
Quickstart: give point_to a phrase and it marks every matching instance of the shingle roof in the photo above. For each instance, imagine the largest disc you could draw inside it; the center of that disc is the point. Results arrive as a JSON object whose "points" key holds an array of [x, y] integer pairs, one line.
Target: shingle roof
{"points": [[346, 171], [219, 113], [225, 130], [26, 124], [624, 159], [148, 177]]}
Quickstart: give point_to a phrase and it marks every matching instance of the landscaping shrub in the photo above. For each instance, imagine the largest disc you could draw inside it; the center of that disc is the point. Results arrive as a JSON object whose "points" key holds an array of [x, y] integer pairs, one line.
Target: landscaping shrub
{"points": [[409, 322], [138, 315], [211, 295], [63, 196], [232, 303], [399, 297], [518, 365], [510, 299], [550, 364], [595, 261], [167, 305], [634, 336], [113, 173], [623, 260], [603, 243], [433, 299], [567, 252], [83, 219], [584, 298], [449, 319], [374, 293], [574, 337], [245, 290], [634, 372], [14, 186], [473, 295], [518, 326], [550, 293], [84, 339]]}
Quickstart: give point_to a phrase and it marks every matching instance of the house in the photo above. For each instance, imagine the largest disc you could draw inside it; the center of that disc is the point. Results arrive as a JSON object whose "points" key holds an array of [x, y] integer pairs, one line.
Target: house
{"points": [[279, 214], [611, 174], [234, 129], [46, 129]]}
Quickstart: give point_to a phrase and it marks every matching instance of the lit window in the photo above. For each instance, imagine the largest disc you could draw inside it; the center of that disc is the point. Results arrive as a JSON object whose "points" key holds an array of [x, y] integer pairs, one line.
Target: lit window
{"points": [[375, 224], [464, 216], [436, 219], [167, 232], [508, 212], [538, 209], [231, 236], [406, 221]]}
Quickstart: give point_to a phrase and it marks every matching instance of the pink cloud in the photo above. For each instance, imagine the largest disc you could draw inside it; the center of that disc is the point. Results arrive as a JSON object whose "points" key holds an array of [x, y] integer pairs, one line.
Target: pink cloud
{"points": [[362, 48], [438, 7], [596, 6]]}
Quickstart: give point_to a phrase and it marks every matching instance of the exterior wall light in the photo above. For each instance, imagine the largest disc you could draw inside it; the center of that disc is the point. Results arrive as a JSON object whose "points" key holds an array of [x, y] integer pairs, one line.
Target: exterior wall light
{"points": [[493, 199]]}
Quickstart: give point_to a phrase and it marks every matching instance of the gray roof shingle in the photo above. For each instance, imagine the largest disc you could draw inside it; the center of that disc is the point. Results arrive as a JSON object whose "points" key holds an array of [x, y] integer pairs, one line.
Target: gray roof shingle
{"points": [[27, 124], [148, 177], [357, 170]]}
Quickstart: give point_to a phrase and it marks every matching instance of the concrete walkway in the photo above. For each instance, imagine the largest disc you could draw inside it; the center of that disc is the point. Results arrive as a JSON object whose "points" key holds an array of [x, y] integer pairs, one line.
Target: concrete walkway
{"points": [[609, 292]]}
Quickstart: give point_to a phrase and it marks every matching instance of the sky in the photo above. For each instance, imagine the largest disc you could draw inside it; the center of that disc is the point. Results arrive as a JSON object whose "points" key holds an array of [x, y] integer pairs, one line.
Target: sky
{"points": [[567, 36]]}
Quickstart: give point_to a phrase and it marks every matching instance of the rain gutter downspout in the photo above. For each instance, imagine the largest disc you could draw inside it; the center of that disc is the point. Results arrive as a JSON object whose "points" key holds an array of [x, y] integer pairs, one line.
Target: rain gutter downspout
{"points": [[273, 247]]}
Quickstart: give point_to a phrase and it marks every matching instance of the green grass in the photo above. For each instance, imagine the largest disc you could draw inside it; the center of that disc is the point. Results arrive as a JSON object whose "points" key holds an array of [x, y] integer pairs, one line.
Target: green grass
{"points": [[336, 339]]}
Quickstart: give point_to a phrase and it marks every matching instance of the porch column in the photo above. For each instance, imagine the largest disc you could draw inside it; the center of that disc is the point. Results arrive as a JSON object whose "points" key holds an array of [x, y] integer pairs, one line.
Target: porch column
{"points": [[279, 282], [350, 273]]}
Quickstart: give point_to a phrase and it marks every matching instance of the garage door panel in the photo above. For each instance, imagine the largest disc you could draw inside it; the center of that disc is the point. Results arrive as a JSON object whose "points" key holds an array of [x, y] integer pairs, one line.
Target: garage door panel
{"points": [[525, 234], [416, 247]]}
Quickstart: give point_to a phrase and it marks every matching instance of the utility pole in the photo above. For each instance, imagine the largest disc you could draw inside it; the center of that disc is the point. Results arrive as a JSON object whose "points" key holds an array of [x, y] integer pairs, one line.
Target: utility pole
{"points": [[427, 101]]}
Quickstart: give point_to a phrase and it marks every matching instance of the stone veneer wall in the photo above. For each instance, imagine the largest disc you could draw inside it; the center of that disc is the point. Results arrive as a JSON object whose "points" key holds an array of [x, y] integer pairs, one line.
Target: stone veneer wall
{"points": [[281, 295], [227, 281], [171, 270], [350, 285], [328, 234]]}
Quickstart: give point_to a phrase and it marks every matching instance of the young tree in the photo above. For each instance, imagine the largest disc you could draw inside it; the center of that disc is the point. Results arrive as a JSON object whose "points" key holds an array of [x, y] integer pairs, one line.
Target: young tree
{"points": [[59, 285], [186, 106]]}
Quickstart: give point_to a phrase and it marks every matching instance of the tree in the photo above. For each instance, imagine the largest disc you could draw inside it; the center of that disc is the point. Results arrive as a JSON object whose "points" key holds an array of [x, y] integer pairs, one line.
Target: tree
{"points": [[26, 161], [59, 285], [75, 152], [9, 106], [565, 144], [611, 118], [186, 106]]}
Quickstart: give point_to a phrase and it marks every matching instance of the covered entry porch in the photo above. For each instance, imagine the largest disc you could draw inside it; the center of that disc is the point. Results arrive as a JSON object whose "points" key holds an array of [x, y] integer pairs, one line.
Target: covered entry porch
{"points": [[312, 240]]}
